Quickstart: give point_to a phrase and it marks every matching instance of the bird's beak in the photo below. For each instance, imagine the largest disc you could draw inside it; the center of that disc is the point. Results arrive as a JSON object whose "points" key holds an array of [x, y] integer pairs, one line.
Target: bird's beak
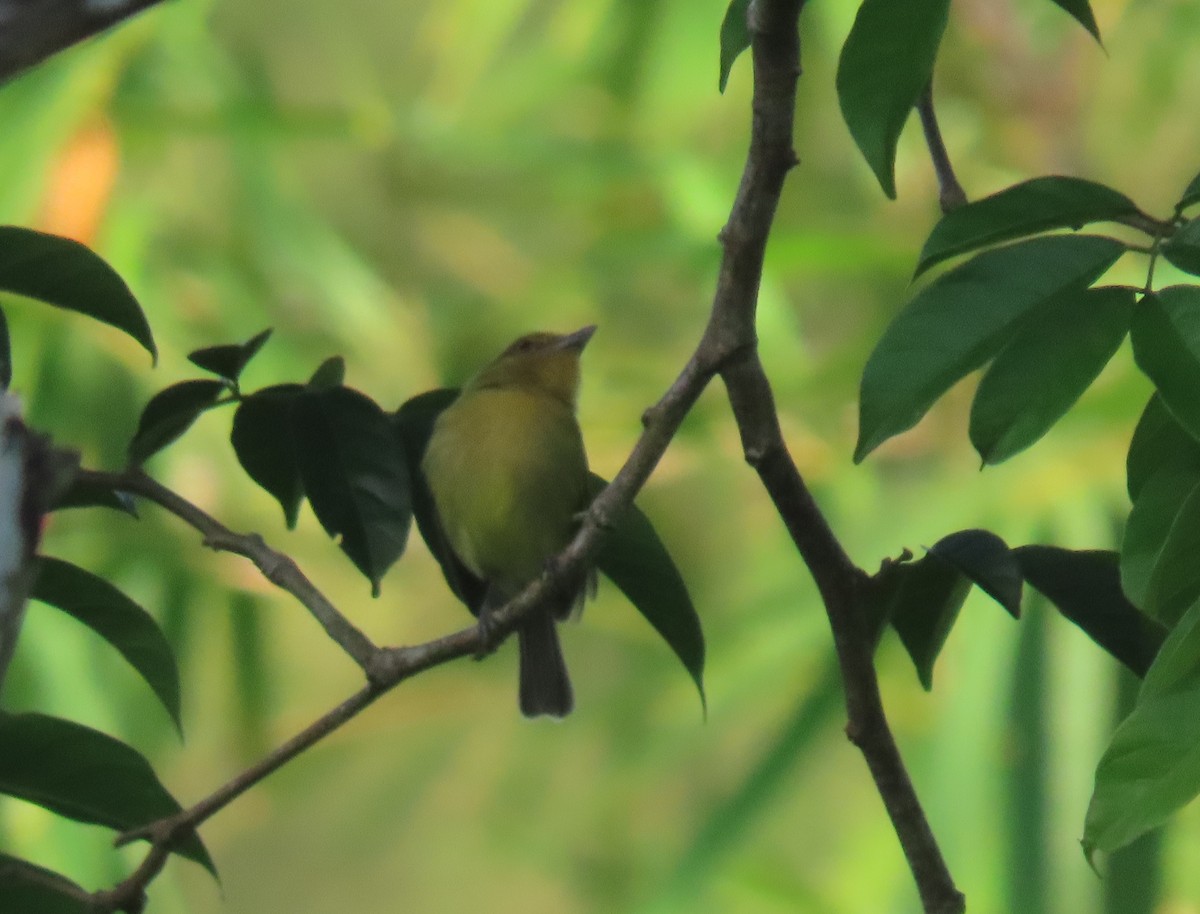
{"points": [[577, 340]]}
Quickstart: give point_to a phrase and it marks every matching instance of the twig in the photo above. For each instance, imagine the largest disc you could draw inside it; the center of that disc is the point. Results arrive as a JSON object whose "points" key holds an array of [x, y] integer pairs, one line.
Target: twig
{"points": [[950, 193], [276, 567], [32, 30]]}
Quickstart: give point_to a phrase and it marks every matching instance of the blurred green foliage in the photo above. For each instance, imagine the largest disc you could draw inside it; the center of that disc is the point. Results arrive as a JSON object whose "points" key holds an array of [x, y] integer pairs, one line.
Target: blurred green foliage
{"points": [[413, 185]]}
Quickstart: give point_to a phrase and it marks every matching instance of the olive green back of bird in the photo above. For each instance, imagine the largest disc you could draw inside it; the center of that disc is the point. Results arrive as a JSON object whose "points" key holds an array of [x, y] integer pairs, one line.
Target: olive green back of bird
{"points": [[508, 472]]}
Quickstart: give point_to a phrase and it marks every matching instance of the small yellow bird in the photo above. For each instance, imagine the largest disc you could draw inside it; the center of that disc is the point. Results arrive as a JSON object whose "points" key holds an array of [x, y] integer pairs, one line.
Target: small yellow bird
{"points": [[509, 477]]}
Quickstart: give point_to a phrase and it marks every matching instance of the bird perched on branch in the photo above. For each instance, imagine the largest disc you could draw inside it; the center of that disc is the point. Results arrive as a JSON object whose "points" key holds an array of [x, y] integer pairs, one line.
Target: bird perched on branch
{"points": [[509, 478]]}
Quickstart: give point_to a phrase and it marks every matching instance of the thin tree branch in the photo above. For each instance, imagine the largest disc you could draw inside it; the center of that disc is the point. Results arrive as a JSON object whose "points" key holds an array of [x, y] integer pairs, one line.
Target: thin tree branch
{"points": [[32, 30], [950, 193], [276, 567]]}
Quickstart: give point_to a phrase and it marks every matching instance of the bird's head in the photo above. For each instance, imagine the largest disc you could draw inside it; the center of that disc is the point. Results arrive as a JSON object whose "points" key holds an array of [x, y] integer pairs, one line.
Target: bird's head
{"points": [[543, 362]]}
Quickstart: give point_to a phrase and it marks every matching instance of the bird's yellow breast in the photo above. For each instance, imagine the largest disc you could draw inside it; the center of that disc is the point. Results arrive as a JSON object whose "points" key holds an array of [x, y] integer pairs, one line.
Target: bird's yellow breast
{"points": [[508, 473]]}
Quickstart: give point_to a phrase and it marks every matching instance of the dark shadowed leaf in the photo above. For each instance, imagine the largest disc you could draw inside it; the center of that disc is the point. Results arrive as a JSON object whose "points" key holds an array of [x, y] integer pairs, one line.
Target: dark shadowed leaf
{"points": [[1024, 209], [1151, 767], [1052, 359], [925, 598], [1086, 588], [228, 361], [66, 274], [29, 889], [263, 440], [961, 320], [988, 562], [1166, 346], [355, 474], [84, 775], [85, 492], [635, 559], [735, 38], [886, 62], [413, 422], [169, 414], [5, 353], [1160, 445], [330, 373], [115, 618], [1190, 196], [1183, 248], [1081, 10]]}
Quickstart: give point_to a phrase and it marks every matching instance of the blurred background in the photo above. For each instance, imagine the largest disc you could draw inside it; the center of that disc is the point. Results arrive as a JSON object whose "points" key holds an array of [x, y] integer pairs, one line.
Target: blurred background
{"points": [[412, 186]]}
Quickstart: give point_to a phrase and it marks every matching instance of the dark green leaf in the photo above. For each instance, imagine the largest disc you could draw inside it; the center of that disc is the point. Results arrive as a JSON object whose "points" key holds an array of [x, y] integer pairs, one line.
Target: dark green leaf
{"points": [[64, 273], [85, 492], [228, 361], [988, 562], [1147, 528], [5, 353], [1086, 588], [1151, 767], [330, 373], [263, 440], [961, 320], [1024, 209], [1160, 445], [886, 62], [1174, 582], [413, 422], [735, 38], [169, 414], [356, 476], [1081, 10], [1054, 357], [927, 597], [1190, 196], [1166, 346], [1182, 249], [84, 775], [115, 618], [635, 559], [29, 889]]}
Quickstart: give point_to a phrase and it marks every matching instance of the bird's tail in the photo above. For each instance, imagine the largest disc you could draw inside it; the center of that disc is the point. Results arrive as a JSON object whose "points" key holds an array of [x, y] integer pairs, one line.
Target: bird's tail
{"points": [[545, 685]]}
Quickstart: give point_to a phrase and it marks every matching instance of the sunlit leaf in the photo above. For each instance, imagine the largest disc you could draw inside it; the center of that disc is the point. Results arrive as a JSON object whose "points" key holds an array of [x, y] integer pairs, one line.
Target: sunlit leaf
{"points": [[1054, 357], [961, 320], [635, 559], [66, 274], [228, 361], [886, 62], [1182, 249], [1166, 346], [1081, 10], [169, 414], [84, 775], [1151, 767], [355, 475], [735, 38], [1024, 209], [1086, 588], [263, 440], [1160, 445], [25, 887], [115, 618]]}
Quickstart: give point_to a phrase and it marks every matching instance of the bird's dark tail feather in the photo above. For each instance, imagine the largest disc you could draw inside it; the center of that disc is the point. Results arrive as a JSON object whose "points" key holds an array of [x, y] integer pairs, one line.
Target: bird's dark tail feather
{"points": [[545, 685]]}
